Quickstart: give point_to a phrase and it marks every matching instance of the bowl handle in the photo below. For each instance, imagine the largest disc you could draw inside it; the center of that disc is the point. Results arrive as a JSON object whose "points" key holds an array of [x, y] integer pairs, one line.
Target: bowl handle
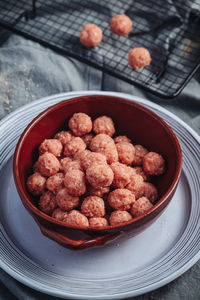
{"points": [[77, 244]]}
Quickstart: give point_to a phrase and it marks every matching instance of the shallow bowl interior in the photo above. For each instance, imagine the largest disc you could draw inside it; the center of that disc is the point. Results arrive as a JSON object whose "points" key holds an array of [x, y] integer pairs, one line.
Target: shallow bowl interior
{"points": [[131, 119]]}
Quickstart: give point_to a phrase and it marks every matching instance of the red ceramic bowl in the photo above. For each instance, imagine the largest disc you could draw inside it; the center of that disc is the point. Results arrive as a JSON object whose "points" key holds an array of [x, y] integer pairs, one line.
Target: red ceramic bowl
{"points": [[137, 122]]}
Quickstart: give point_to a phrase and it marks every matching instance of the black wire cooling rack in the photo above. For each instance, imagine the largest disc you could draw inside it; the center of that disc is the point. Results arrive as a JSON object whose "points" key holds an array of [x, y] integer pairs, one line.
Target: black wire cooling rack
{"points": [[170, 29]]}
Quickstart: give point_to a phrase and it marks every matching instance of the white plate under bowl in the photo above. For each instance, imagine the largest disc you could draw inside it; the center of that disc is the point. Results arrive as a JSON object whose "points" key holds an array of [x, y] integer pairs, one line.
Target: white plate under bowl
{"points": [[161, 253]]}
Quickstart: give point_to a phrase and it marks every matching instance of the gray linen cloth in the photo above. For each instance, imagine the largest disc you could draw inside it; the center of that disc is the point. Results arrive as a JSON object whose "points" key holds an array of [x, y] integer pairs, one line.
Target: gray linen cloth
{"points": [[28, 72]]}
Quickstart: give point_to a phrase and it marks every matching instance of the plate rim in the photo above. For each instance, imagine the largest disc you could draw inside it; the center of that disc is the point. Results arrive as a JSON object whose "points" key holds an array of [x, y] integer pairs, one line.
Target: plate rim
{"points": [[25, 280]]}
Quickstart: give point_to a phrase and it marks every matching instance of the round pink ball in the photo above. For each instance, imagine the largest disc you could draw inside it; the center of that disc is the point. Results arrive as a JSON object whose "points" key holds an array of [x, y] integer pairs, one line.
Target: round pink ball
{"points": [[121, 199], [119, 217], [98, 222], [80, 124], [36, 184], [140, 152], [91, 35], [93, 206], [74, 146], [64, 137], [47, 202], [65, 201], [48, 164], [105, 125], [140, 207], [53, 146], [121, 24], [153, 163], [59, 214], [122, 175], [99, 175], [74, 182], [75, 218], [55, 182], [139, 58], [136, 185], [121, 138], [126, 152]]}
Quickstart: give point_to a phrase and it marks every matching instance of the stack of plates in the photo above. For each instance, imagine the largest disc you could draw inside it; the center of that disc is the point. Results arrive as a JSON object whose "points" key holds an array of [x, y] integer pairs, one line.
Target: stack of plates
{"points": [[150, 260]]}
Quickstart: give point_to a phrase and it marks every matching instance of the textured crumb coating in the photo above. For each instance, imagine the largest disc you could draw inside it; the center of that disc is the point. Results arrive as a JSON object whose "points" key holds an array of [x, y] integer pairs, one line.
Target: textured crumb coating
{"points": [[93, 157], [153, 163], [59, 214], [73, 165], [64, 137], [87, 138], [121, 138], [65, 201], [99, 175], [98, 222], [139, 171], [97, 191], [75, 183], [139, 58], [150, 192], [140, 152], [74, 146], [55, 182], [47, 202], [121, 199], [136, 185], [93, 206], [103, 143], [80, 124], [76, 218], [36, 184], [99, 142], [122, 175], [104, 124], [107, 184], [126, 152], [121, 24], [53, 146], [80, 155], [91, 35], [119, 217], [140, 207], [48, 164]]}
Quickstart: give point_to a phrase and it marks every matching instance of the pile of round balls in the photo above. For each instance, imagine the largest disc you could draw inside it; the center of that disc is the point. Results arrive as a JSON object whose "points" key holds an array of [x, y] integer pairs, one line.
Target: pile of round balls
{"points": [[86, 178], [91, 35]]}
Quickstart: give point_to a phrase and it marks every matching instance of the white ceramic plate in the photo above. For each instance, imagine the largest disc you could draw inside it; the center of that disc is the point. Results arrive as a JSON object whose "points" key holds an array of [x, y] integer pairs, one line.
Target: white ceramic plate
{"points": [[155, 257]]}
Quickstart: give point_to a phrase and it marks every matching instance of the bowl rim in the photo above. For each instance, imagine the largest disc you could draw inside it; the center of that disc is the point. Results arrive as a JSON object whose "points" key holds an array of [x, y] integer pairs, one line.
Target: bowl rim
{"points": [[25, 196]]}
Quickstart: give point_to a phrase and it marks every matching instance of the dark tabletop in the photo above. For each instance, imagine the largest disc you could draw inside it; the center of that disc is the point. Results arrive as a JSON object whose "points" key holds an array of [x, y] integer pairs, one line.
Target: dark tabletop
{"points": [[29, 72]]}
